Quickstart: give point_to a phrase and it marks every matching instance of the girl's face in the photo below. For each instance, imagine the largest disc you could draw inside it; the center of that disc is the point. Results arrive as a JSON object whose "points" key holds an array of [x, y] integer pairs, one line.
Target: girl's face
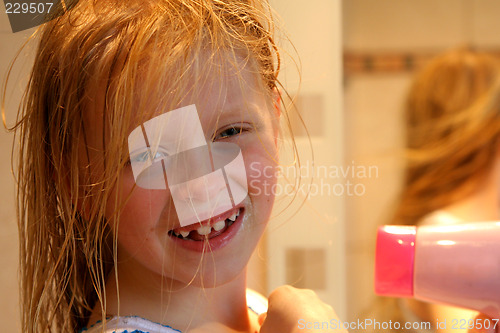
{"points": [[148, 224]]}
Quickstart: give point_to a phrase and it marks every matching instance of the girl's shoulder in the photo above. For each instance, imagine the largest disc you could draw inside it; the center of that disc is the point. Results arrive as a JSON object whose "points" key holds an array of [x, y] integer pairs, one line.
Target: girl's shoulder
{"points": [[129, 324]]}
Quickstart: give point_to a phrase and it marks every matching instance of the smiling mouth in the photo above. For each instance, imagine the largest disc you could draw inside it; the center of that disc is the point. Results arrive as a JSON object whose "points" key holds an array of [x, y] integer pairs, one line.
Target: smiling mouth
{"points": [[207, 229]]}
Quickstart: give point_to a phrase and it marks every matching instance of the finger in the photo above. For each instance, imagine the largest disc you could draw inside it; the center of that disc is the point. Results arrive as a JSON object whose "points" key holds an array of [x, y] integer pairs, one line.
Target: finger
{"points": [[262, 317]]}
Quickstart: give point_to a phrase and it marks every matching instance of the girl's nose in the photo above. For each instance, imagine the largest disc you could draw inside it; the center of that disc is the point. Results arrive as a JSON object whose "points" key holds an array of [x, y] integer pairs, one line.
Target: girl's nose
{"points": [[201, 198], [202, 189], [206, 181]]}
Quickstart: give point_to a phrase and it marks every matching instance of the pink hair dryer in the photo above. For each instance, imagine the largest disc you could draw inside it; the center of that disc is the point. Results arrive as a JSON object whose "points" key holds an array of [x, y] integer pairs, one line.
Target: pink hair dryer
{"points": [[456, 265]]}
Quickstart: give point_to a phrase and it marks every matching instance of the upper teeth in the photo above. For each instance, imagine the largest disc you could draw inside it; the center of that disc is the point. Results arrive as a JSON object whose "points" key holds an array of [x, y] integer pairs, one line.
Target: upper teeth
{"points": [[204, 230], [218, 226], [234, 216]]}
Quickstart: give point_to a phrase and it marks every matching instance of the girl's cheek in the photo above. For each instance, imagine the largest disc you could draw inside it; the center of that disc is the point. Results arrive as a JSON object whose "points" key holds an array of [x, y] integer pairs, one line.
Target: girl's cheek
{"points": [[139, 208], [261, 172]]}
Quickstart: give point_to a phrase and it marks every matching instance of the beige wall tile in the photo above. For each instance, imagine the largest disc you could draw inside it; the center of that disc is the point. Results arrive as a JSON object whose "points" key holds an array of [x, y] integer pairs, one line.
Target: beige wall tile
{"points": [[399, 25]]}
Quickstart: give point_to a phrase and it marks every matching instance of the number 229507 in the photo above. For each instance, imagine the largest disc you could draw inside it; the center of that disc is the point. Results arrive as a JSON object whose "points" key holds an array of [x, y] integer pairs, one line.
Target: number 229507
{"points": [[24, 8], [474, 324]]}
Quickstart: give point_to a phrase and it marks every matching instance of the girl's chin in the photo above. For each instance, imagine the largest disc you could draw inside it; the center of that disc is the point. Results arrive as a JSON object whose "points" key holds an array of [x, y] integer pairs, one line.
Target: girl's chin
{"points": [[208, 274]]}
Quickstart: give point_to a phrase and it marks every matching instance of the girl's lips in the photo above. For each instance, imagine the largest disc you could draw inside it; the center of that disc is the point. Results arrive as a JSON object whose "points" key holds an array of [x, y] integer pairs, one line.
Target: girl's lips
{"points": [[213, 241]]}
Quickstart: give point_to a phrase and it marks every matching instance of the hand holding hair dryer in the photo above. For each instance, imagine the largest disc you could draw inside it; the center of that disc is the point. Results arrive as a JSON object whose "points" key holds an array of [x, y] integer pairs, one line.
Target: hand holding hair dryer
{"points": [[456, 265]]}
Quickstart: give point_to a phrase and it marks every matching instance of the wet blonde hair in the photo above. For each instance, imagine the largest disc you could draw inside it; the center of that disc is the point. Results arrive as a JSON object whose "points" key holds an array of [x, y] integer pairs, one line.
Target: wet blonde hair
{"points": [[133, 52], [452, 131]]}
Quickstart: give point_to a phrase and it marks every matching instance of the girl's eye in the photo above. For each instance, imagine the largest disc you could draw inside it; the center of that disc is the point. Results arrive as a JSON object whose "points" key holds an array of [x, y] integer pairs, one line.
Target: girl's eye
{"points": [[229, 132], [148, 155]]}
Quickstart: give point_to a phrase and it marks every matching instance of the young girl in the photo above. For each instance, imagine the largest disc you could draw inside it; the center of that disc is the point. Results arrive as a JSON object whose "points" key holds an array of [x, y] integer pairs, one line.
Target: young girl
{"points": [[108, 240]]}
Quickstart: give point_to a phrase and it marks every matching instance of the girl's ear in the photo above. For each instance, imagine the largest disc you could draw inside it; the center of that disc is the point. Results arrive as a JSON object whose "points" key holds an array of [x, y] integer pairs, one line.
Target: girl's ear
{"points": [[81, 207], [277, 102], [277, 105]]}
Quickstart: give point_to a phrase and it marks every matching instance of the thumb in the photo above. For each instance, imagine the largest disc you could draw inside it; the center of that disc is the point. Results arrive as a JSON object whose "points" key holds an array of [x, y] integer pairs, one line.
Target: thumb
{"points": [[262, 317]]}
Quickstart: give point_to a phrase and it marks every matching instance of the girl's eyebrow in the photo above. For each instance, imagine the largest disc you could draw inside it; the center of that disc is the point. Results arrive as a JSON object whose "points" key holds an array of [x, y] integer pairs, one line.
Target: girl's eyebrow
{"points": [[247, 108], [251, 114]]}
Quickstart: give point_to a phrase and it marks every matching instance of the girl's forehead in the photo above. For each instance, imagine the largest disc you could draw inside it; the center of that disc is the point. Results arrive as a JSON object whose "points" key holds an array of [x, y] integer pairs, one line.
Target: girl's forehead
{"points": [[229, 85], [233, 89]]}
